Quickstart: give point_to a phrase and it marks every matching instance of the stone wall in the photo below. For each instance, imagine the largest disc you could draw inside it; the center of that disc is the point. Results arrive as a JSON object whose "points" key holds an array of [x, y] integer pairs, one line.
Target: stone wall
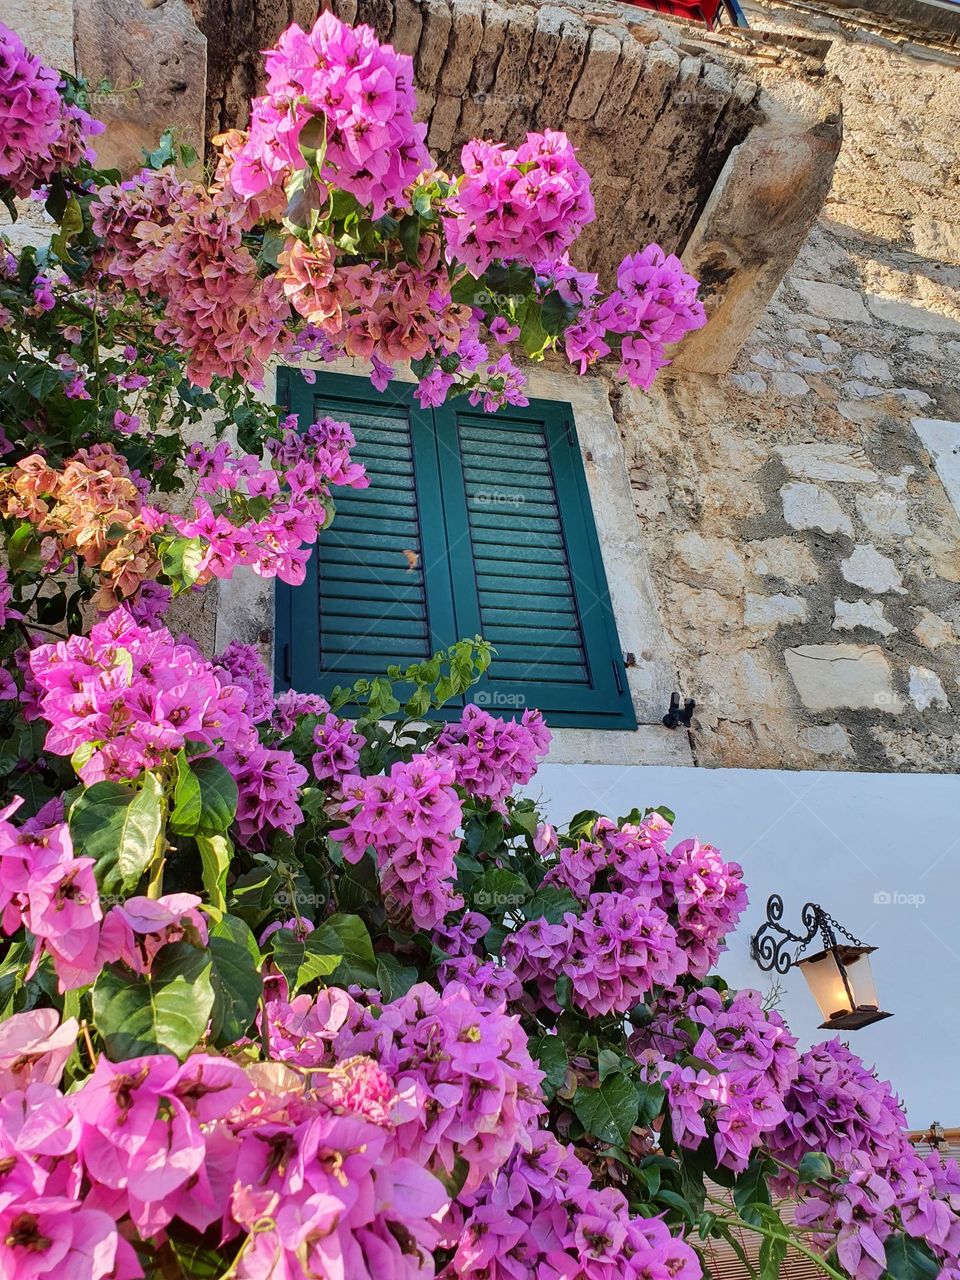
{"points": [[806, 554]]}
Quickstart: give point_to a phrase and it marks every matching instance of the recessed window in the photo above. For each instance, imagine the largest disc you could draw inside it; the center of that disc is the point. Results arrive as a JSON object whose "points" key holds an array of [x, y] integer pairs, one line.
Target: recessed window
{"points": [[473, 524]]}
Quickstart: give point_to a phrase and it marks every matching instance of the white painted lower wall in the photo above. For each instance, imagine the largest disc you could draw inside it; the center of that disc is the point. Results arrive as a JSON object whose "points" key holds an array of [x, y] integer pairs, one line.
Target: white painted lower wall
{"points": [[880, 852]]}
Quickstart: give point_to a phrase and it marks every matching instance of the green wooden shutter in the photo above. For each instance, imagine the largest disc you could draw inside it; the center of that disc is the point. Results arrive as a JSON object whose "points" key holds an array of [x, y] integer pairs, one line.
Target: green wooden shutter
{"points": [[495, 514], [365, 603], [529, 574]]}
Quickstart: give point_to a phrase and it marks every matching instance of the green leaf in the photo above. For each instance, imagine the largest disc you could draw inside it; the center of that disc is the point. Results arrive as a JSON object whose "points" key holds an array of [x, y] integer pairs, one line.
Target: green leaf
{"points": [[165, 1013], [815, 1166], [339, 949], [581, 824], [120, 827], [610, 1112], [393, 978], [608, 1063], [235, 975], [350, 934], [409, 235], [750, 1190], [71, 224], [216, 853], [550, 903], [563, 990], [551, 1053], [910, 1259], [773, 1250], [202, 1257], [498, 891], [23, 550], [651, 1097], [181, 559], [483, 833], [204, 799]]}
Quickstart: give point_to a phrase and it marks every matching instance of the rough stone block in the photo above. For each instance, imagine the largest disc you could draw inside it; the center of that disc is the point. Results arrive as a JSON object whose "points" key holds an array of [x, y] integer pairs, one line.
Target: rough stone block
{"points": [[602, 58], [834, 301], [866, 567], [773, 611], [850, 614], [912, 315], [807, 506], [829, 676], [825, 740], [884, 514], [827, 461], [926, 689]]}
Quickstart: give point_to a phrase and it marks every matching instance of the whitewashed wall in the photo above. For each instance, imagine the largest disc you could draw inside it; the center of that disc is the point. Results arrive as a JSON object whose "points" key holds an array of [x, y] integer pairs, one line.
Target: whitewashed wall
{"points": [[880, 852]]}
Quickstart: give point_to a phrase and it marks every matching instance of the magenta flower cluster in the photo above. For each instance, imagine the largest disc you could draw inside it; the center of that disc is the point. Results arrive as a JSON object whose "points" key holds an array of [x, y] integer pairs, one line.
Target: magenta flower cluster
{"points": [[835, 1105], [313, 1176], [54, 894], [655, 303], [540, 1216], [45, 887], [491, 756], [41, 132], [244, 669], [519, 204], [743, 1061], [466, 1085], [338, 750], [294, 486], [356, 94], [268, 781], [702, 894], [614, 954], [120, 699], [409, 818]]}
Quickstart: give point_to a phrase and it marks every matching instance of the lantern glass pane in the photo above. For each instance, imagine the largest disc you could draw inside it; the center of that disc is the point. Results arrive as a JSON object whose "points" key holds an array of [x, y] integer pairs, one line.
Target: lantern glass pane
{"points": [[826, 983], [860, 977]]}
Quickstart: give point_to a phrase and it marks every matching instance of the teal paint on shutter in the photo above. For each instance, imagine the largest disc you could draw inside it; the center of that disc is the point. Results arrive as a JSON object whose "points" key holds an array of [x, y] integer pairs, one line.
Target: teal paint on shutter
{"points": [[497, 511], [530, 576], [365, 603]]}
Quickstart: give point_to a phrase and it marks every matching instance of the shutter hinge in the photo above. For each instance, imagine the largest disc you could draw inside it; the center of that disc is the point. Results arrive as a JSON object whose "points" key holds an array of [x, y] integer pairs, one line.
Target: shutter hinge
{"points": [[616, 674], [287, 673]]}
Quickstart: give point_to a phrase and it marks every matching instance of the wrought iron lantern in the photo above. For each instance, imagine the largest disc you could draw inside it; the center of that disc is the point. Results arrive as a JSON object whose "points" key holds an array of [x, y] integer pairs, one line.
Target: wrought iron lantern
{"points": [[839, 976]]}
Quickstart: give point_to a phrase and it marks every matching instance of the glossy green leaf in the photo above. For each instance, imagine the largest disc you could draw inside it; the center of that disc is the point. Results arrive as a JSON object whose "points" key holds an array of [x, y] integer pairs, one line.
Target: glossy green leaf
{"points": [[121, 828], [235, 975], [610, 1112], [216, 853], [165, 1013], [910, 1259], [204, 799], [551, 1053]]}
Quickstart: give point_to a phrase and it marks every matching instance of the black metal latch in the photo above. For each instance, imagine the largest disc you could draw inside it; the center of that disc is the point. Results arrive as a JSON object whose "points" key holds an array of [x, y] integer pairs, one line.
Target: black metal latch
{"points": [[675, 716]]}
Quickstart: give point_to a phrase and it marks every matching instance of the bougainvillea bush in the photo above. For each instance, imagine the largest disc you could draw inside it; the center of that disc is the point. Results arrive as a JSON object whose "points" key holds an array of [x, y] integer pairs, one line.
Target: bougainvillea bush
{"points": [[297, 989]]}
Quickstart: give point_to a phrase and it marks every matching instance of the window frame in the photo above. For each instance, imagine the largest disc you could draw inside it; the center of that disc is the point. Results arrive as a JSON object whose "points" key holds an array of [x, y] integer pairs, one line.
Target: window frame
{"points": [[449, 576]]}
